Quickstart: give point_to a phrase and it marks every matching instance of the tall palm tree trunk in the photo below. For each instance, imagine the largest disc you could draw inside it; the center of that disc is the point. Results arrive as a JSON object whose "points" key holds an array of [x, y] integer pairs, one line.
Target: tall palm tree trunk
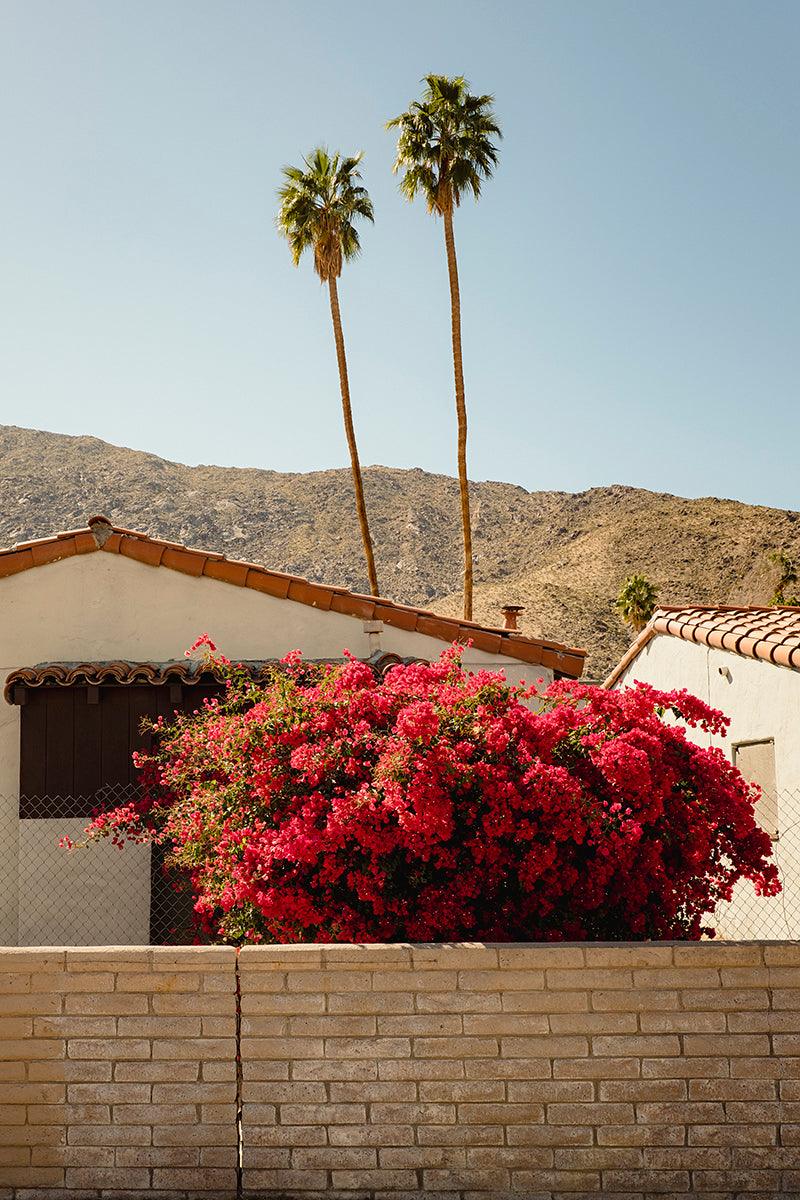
{"points": [[461, 407], [350, 433]]}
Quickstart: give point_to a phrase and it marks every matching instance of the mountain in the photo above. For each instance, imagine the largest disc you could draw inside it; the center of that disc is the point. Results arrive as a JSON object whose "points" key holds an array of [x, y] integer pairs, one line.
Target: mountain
{"points": [[561, 555]]}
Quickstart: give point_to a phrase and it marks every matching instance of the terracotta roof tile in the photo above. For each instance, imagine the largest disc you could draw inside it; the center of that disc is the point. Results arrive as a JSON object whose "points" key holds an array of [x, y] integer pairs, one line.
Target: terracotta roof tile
{"points": [[273, 583], [487, 640], [184, 560], [84, 542], [353, 605], [67, 533], [438, 627], [141, 550], [35, 542], [189, 674], [47, 552], [771, 634], [396, 615], [310, 593], [70, 674], [101, 535], [782, 655], [13, 561], [225, 570]]}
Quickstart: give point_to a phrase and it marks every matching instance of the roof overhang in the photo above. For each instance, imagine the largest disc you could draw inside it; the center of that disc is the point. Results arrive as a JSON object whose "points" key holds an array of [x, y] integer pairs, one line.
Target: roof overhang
{"points": [[180, 674]]}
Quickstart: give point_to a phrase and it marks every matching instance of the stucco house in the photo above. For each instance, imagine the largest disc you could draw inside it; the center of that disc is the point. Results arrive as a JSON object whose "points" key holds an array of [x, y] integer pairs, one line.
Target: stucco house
{"points": [[745, 662], [93, 628]]}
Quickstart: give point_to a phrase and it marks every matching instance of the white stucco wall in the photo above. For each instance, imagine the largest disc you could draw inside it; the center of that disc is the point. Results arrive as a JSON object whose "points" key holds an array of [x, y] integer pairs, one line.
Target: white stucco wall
{"points": [[95, 607], [762, 702], [98, 607]]}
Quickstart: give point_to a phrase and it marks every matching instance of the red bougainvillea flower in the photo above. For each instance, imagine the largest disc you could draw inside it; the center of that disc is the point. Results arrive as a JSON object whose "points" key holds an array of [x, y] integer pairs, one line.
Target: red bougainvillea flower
{"points": [[434, 804]]}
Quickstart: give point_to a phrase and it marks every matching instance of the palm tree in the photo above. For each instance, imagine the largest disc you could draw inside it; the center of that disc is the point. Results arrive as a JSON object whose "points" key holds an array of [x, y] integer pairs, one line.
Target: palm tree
{"points": [[636, 601], [444, 151], [789, 578], [319, 203]]}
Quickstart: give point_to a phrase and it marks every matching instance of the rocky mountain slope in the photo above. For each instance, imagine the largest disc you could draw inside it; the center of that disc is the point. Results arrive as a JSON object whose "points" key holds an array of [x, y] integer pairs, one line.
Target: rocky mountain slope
{"points": [[562, 556]]}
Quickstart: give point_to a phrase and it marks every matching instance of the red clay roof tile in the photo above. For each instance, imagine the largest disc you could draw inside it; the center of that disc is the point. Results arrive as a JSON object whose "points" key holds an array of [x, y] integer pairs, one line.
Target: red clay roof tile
{"points": [[47, 552], [487, 640], [771, 634], [272, 583], [11, 562], [310, 593], [84, 542], [225, 570], [438, 627], [352, 605], [187, 561], [395, 615], [141, 550]]}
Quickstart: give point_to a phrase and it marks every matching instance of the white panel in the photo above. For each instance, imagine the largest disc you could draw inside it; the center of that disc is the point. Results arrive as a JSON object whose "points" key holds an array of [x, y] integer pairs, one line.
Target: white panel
{"points": [[9, 838], [756, 761], [97, 896]]}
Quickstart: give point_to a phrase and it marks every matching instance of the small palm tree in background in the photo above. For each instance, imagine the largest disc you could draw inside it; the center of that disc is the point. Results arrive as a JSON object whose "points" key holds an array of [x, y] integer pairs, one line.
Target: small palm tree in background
{"points": [[445, 150], [788, 579], [319, 203], [636, 602]]}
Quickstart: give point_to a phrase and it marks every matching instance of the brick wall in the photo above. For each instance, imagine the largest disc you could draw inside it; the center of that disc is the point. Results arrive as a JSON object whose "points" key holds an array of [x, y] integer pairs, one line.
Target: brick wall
{"points": [[117, 1070], [613, 1070], [400, 1071]]}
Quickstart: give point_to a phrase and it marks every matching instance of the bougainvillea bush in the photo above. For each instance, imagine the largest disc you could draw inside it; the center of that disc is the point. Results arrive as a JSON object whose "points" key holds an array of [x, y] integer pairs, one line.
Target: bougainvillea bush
{"points": [[434, 804]]}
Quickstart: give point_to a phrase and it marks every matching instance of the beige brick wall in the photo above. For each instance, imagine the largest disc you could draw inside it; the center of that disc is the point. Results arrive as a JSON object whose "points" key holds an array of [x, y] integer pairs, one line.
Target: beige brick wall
{"points": [[396, 1071], [117, 1071], [622, 1070]]}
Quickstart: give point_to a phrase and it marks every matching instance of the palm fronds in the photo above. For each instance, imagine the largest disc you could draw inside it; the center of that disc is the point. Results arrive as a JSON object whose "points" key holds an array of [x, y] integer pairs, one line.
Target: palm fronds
{"points": [[636, 601], [445, 147], [319, 204]]}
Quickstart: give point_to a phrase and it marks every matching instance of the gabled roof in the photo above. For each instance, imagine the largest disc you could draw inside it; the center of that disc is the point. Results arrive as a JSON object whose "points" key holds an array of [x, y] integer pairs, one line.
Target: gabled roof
{"points": [[770, 634], [101, 535]]}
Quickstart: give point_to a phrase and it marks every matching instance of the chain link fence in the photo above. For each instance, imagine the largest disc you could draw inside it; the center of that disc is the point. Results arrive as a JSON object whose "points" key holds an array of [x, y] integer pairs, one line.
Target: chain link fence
{"points": [[93, 895], [749, 916], [102, 895]]}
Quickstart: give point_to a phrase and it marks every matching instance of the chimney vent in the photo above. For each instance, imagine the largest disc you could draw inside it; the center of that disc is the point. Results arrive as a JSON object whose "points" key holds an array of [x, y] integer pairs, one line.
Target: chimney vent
{"points": [[511, 614]]}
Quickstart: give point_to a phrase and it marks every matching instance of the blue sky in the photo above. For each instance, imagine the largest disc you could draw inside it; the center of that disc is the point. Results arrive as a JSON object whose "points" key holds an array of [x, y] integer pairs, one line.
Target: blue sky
{"points": [[629, 278]]}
